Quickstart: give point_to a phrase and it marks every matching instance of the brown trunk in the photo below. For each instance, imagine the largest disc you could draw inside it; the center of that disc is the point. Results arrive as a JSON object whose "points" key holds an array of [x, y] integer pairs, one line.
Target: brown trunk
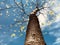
{"points": [[33, 33]]}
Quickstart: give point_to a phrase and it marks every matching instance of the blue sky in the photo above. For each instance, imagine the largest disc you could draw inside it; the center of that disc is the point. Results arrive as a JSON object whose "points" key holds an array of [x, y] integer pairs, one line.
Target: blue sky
{"points": [[12, 17]]}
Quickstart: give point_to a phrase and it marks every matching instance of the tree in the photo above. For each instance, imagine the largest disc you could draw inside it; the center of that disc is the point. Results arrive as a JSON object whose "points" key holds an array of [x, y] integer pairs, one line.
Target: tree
{"points": [[24, 8], [34, 34]]}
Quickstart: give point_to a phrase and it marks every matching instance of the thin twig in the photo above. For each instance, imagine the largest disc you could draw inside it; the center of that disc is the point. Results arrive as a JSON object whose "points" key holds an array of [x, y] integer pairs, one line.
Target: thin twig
{"points": [[17, 4]]}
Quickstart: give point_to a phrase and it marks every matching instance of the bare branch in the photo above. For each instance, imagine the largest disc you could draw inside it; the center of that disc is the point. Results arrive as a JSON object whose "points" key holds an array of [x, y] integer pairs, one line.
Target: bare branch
{"points": [[37, 9], [16, 22], [23, 8], [22, 5], [17, 4], [7, 8], [37, 4]]}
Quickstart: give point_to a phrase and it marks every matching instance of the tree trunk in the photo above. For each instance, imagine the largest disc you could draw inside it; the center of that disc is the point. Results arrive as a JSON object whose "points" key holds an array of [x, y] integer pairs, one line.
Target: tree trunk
{"points": [[33, 33]]}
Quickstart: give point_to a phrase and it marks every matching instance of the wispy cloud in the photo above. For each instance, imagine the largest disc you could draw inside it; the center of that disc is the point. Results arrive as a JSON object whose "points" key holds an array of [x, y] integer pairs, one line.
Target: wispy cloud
{"points": [[57, 42]]}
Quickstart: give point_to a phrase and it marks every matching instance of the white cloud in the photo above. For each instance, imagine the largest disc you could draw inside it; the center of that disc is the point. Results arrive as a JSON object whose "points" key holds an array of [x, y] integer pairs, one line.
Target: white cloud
{"points": [[56, 34], [57, 42], [43, 17], [57, 18]]}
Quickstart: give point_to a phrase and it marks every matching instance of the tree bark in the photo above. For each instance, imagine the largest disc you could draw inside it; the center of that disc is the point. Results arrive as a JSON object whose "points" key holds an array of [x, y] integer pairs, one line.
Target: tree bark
{"points": [[33, 34]]}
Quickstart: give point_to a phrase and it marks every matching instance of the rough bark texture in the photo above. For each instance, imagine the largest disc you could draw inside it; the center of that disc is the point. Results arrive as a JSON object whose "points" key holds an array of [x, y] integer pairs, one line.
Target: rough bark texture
{"points": [[33, 33]]}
